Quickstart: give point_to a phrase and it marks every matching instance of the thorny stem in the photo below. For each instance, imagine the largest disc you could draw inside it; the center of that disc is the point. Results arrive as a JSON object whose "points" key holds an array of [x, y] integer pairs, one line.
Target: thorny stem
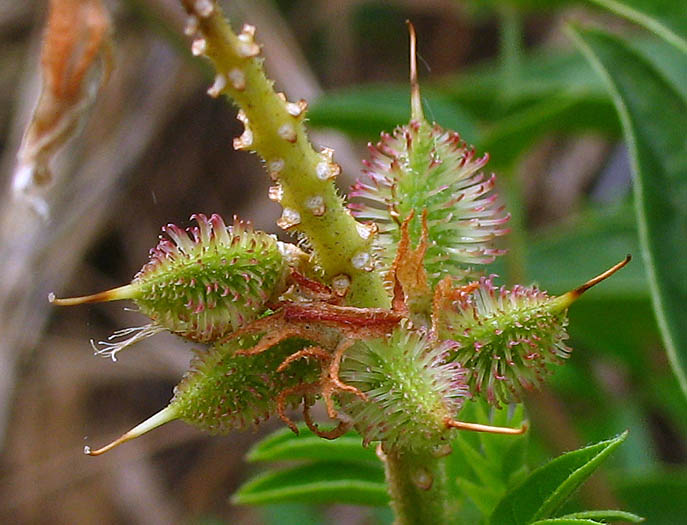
{"points": [[275, 130]]}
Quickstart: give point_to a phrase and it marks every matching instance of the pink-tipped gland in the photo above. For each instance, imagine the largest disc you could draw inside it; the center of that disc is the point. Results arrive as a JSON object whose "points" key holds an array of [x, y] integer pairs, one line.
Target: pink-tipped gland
{"points": [[565, 300], [163, 416], [128, 291]]}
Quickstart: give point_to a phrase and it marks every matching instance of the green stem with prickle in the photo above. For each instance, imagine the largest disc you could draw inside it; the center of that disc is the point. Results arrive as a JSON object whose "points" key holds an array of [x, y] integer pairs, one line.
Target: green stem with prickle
{"points": [[417, 486], [333, 235]]}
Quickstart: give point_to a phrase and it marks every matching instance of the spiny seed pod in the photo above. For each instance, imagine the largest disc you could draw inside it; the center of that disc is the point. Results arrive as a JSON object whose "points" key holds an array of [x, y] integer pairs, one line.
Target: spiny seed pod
{"points": [[508, 339], [223, 391], [422, 166], [412, 390], [202, 283]]}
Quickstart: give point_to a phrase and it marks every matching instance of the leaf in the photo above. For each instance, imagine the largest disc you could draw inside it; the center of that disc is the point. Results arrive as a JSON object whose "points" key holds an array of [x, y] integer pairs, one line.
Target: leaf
{"points": [[320, 482], [666, 18], [667, 59], [540, 5], [289, 514], [562, 113], [549, 486], [485, 497], [658, 495], [484, 465], [605, 515], [367, 110], [565, 521], [652, 114], [593, 242], [285, 445]]}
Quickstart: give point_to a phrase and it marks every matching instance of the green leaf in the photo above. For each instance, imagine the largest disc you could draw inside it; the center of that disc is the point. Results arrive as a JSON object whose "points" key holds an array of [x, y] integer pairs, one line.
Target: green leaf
{"points": [[485, 497], [565, 521], [658, 496], [564, 257], [549, 486], [290, 514], [545, 73], [367, 110], [666, 18], [485, 465], [605, 515], [653, 118], [542, 74], [667, 59], [563, 113], [320, 482], [285, 445], [539, 5]]}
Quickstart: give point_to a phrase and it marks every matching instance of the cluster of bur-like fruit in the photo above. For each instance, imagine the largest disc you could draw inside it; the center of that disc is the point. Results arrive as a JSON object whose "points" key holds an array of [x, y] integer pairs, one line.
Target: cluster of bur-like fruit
{"points": [[280, 333]]}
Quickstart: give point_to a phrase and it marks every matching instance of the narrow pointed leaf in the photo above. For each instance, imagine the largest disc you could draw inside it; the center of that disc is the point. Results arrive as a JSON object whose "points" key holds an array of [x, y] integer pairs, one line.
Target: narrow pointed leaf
{"points": [[549, 486], [658, 495], [485, 471], [366, 111], [484, 465], [320, 482], [485, 498], [606, 516], [653, 118], [285, 445], [566, 521], [666, 18]]}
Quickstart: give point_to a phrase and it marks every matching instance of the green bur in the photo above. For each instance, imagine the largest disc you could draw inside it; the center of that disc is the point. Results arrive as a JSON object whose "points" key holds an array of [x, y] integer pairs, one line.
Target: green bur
{"points": [[508, 339], [223, 391], [422, 166], [203, 283], [411, 389]]}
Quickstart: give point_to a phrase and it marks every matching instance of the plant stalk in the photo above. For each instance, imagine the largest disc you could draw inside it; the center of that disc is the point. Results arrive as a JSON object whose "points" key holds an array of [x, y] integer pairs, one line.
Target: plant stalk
{"points": [[304, 177], [417, 484]]}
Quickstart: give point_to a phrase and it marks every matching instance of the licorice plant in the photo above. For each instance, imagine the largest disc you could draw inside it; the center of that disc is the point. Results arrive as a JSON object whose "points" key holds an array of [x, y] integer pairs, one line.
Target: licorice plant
{"points": [[381, 309]]}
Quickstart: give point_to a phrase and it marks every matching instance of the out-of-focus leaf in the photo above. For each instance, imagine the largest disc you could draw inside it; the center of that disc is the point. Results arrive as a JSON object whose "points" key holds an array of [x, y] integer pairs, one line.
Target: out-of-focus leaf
{"points": [[320, 482], [564, 114], [366, 111], [605, 515], [554, 92], [658, 496], [544, 73], [667, 59], [529, 5], [565, 521], [549, 486], [485, 465], [285, 445], [482, 90], [290, 514], [563, 258], [666, 18], [653, 118]]}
